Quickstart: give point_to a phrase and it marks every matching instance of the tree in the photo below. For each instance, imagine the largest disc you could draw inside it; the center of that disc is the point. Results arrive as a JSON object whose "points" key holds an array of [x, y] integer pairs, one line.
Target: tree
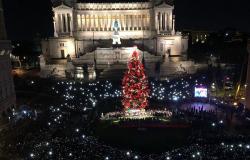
{"points": [[135, 85]]}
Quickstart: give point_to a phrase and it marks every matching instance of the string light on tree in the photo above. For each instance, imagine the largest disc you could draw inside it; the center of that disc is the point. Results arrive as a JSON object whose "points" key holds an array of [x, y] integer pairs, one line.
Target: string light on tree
{"points": [[135, 85]]}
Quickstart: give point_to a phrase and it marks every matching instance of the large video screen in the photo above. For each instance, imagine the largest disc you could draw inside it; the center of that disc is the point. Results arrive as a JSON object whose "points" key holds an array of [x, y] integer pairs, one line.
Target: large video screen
{"points": [[200, 92]]}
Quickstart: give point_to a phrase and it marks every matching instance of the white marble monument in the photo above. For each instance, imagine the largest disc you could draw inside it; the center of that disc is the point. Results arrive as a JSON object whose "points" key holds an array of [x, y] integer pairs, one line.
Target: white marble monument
{"points": [[87, 31]]}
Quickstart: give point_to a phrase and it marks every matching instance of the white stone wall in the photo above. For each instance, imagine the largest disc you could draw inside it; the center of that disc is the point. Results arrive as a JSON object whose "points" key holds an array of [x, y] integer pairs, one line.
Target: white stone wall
{"points": [[88, 21], [89, 35], [136, 19], [174, 45], [106, 56], [55, 47], [76, 28], [83, 46], [184, 43]]}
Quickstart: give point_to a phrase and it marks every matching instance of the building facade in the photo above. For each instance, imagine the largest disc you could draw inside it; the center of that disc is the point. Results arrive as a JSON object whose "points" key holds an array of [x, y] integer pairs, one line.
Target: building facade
{"points": [[7, 91], [80, 28]]}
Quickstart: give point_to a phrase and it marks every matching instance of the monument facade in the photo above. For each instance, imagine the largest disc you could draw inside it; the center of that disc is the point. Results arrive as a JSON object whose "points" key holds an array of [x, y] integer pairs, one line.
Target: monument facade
{"points": [[82, 28]]}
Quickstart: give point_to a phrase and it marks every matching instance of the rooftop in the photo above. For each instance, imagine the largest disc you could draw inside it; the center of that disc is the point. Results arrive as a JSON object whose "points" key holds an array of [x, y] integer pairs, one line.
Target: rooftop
{"points": [[70, 2]]}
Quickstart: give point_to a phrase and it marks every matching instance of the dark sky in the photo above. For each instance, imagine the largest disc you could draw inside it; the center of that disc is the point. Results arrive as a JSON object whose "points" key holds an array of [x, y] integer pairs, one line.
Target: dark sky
{"points": [[26, 18]]}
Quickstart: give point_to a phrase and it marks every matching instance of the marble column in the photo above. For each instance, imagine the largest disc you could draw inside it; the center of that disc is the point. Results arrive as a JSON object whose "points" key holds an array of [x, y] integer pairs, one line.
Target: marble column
{"points": [[110, 22], [88, 22], [166, 21], [136, 22], [156, 22], [66, 22], [62, 23], [82, 18], [149, 26], [93, 20], [127, 23], [71, 24], [141, 22], [55, 29], [58, 22], [101, 21], [160, 21], [170, 21], [105, 22], [133, 22], [85, 22], [122, 22], [78, 17], [96, 22], [80, 22], [145, 22]]}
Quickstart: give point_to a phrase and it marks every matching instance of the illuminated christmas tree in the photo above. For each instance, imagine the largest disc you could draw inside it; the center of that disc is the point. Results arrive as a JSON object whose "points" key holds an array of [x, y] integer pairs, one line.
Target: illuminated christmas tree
{"points": [[135, 85]]}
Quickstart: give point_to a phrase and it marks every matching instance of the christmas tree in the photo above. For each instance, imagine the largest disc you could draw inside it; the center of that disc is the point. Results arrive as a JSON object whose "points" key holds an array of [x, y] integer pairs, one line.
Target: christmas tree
{"points": [[135, 85]]}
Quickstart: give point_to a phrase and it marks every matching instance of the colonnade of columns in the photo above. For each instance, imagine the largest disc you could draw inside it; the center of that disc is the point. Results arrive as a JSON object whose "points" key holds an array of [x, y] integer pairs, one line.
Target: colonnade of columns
{"points": [[90, 22], [164, 21], [63, 23]]}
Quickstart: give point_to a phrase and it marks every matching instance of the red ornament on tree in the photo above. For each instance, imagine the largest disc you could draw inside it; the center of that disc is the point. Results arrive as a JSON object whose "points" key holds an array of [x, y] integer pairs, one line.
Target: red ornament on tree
{"points": [[135, 85]]}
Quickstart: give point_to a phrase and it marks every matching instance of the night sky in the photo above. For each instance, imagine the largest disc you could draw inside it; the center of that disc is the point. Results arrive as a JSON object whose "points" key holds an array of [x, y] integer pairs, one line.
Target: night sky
{"points": [[27, 18]]}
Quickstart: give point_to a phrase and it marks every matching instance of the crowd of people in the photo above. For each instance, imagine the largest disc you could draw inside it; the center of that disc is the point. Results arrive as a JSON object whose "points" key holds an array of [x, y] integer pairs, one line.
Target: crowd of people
{"points": [[78, 94], [65, 129]]}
